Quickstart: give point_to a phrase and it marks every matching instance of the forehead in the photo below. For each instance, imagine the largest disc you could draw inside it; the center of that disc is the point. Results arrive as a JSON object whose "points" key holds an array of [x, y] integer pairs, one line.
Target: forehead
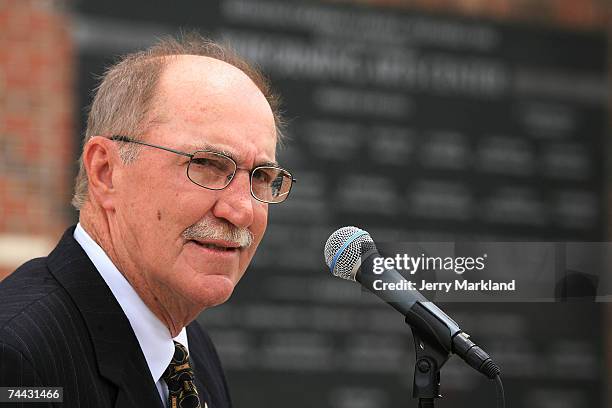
{"points": [[202, 101]]}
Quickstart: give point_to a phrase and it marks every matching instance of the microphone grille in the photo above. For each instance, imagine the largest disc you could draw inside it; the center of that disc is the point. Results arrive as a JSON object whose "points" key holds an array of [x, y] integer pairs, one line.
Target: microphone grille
{"points": [[343, 251]]}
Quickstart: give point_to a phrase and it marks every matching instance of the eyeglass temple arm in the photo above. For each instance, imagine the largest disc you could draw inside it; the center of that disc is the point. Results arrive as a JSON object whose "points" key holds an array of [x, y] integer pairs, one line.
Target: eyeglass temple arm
{"points": [[126, 139]]}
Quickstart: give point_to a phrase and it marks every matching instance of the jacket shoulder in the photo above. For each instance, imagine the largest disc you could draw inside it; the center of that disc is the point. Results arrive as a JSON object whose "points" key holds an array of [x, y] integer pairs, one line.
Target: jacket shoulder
{"points": [[37, 316], [30, 285], [44, 340]]}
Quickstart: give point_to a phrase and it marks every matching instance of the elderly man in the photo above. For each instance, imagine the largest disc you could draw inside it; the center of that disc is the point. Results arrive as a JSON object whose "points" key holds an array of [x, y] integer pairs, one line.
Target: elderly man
{"points": [[177, 171]]}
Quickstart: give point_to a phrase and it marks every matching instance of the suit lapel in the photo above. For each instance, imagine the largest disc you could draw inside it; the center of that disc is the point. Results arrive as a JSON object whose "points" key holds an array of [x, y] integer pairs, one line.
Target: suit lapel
{"points": [[196, 358], [119, 357], [208, 375]]}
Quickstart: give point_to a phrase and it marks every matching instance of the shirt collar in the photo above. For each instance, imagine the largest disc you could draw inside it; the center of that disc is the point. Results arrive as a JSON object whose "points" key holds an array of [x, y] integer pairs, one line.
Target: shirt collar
{"points": [[153, 336]]}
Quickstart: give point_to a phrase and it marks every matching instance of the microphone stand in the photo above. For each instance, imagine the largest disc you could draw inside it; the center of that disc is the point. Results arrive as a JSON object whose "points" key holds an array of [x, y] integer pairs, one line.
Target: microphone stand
{"points": [[430, 357]]}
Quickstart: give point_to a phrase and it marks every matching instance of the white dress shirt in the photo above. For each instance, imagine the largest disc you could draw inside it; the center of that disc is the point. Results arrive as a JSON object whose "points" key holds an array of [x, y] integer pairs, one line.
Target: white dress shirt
{"points": [[153, 336]]}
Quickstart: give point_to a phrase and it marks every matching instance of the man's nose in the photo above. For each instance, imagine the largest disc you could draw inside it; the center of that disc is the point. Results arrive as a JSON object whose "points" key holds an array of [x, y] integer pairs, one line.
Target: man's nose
{"points": [[235, 202]]}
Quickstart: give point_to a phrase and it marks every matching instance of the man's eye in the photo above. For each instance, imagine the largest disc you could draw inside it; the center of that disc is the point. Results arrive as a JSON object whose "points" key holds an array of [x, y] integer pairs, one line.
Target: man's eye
{"points": [[200, 162], [262, 176], [211, 164]]}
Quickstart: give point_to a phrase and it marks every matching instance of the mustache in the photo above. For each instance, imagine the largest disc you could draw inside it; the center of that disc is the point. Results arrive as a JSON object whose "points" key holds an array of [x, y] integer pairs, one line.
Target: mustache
{"points": [[218, 230]]}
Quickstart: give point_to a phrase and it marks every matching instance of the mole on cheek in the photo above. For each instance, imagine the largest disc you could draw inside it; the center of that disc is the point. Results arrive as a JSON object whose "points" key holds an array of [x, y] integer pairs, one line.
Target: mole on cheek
{"points": [[158, 215]]}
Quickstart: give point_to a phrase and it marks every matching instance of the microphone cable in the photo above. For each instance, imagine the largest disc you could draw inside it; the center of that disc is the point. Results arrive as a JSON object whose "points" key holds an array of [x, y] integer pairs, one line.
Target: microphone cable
{"points": [[499, 387]]}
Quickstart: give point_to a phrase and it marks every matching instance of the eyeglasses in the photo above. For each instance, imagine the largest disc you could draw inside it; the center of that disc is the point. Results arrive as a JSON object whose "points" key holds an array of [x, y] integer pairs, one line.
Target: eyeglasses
{"points": [[215, 171]]}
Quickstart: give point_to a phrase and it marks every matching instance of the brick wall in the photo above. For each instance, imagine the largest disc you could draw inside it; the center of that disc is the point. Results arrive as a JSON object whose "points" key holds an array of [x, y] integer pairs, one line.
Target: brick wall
{"points": [[36, 127]]}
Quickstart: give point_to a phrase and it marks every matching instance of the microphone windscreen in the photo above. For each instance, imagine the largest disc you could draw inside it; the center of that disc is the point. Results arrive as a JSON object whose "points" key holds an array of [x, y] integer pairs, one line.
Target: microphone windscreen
{"points": [[343, 251]]}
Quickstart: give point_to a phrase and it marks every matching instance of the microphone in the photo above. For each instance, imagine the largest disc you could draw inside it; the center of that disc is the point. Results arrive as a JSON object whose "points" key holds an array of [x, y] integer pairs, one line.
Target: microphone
{"points": [[350, 253]]}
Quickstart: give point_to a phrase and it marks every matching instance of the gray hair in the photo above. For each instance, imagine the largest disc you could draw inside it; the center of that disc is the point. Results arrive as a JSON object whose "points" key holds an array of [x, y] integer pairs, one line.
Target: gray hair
{"points": [[123, 99]]}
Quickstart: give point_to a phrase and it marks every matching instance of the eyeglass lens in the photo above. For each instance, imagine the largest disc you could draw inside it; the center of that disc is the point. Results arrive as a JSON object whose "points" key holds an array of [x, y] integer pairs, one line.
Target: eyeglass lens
{"points": [[215, 171]]}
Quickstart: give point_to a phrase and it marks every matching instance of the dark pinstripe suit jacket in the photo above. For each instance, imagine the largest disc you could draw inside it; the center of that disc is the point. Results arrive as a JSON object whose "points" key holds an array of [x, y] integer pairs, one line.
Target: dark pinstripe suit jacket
{"points": [[60, 325]]}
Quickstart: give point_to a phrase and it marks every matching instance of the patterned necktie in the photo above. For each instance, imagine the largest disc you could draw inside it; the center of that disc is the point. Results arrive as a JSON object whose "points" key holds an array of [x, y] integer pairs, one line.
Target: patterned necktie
{"points": [[182, 392]]}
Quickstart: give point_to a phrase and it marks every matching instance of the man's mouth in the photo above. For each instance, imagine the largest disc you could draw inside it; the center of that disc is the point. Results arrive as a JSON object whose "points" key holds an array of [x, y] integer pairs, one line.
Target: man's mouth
{"points": [[217, 247]]}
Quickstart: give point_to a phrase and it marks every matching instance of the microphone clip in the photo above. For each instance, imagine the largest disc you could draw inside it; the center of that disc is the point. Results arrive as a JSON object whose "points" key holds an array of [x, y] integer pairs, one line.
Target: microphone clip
{"points": [[430, 357]]}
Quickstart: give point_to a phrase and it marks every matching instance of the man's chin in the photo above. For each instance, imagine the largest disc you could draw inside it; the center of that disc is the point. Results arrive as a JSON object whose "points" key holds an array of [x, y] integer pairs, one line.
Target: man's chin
{"points": [[212, 291]]}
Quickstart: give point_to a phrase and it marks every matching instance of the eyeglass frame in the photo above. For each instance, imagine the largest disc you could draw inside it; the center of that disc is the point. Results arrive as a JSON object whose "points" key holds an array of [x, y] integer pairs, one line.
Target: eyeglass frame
{"points": [[127, 139]]}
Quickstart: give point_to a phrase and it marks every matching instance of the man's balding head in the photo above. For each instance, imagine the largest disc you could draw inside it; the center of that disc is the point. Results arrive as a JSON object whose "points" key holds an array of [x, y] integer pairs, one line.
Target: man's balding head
{"points": [[124, 100]]}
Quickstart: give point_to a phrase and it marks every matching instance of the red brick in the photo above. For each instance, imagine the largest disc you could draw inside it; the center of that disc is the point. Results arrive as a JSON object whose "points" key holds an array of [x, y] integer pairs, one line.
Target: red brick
{"points": [[42, 22], [16, 122]]}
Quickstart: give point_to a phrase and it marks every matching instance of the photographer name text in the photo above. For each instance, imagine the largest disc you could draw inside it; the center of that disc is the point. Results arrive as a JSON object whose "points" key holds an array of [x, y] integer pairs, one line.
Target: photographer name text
{"points": [[457, 285]]}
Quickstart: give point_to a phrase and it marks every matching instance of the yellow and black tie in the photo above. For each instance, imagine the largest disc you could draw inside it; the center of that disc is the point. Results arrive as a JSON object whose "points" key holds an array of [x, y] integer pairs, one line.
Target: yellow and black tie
{"points": [[182, 392]]}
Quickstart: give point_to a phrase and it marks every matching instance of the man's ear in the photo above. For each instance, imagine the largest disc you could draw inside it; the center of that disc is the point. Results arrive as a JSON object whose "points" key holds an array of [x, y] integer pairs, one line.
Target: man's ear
{"points": [[99, 159]]}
